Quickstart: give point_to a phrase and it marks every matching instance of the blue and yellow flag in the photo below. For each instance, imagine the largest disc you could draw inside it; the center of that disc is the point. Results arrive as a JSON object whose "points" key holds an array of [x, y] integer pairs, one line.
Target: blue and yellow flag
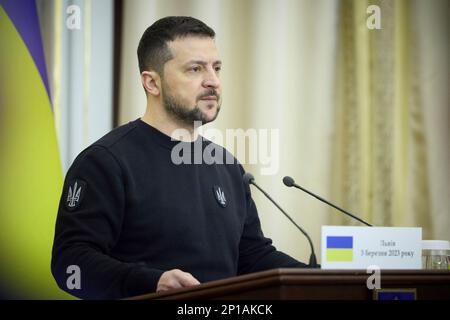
{"points": [[339, 249], [30, 169]]}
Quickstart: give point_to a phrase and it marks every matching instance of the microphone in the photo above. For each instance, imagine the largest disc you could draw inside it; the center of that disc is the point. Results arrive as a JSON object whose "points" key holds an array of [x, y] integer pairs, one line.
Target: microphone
{"points": [[249, 179], [289, 182]]}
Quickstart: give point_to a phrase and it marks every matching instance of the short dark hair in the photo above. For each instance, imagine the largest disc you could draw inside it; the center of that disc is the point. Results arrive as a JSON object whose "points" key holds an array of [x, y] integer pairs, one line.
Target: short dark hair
{"points": [[153, 51]]}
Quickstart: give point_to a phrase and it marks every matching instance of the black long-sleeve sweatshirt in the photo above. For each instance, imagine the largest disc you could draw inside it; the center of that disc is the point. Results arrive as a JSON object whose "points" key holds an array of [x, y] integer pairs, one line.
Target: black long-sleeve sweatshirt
{"points": [[128, 213]]}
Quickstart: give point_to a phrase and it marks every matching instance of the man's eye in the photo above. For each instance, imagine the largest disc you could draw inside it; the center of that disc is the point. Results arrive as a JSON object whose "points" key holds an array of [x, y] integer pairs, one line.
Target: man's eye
{"points": [[218, 68], [195, 69]]}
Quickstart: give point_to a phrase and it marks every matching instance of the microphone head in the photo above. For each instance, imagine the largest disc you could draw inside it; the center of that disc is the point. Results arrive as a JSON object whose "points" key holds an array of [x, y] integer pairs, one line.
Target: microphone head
{"points": [[248, 178], [288, 181]]}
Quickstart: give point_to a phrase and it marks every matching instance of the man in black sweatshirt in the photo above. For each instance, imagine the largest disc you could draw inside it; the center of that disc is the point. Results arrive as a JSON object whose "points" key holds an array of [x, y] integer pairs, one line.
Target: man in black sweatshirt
{"points": [[133, 218]]}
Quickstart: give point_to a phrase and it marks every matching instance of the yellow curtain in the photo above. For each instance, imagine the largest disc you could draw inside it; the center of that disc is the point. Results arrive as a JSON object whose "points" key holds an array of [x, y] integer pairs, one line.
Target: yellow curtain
{"points": [[381, 165]]}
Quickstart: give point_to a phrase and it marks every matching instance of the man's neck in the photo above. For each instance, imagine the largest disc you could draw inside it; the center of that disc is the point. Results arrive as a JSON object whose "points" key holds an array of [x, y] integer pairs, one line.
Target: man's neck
{"points": [[170, 127]]}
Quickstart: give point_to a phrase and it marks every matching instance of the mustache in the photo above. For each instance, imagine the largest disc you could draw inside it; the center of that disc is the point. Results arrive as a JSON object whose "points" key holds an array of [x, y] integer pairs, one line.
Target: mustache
{"points": [[209, 93]]}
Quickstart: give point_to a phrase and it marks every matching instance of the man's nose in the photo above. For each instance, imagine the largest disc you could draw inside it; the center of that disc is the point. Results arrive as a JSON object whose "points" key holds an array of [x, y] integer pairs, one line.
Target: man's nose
{"points": [[211, 79]]}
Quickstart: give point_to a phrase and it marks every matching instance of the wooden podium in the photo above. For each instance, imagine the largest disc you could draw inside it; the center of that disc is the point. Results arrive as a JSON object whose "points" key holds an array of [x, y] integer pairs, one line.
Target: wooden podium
{"points": [[314, 284]]}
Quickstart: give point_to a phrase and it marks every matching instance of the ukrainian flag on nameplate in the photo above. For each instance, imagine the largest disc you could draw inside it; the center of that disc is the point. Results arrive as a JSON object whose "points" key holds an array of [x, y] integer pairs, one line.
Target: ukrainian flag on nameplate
{"points": [[339, 248]]}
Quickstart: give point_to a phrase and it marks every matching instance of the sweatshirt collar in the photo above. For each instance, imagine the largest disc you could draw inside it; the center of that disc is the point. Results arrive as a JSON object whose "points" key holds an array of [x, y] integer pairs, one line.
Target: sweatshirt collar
{"points": [[161, 138]]}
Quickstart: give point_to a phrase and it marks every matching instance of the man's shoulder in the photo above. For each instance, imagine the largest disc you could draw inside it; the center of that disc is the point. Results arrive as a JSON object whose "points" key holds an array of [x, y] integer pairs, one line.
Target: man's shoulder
{"points": [[103, 147], [116, 135]]}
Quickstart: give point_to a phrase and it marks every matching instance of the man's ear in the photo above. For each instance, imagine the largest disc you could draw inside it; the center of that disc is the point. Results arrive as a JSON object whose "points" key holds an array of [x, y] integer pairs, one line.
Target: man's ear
{"points": [[151, 82]]}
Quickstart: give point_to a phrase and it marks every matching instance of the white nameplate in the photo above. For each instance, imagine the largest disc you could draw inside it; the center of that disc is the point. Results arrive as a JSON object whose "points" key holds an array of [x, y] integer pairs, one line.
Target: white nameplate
{"points": [[361, 247]]}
